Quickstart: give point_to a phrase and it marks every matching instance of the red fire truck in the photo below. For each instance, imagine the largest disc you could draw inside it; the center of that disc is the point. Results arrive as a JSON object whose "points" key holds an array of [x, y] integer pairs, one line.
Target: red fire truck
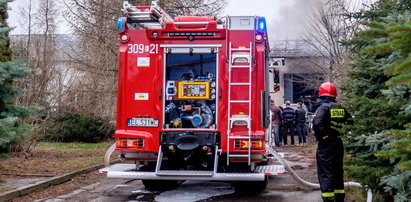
{"points": [[193, 99]]}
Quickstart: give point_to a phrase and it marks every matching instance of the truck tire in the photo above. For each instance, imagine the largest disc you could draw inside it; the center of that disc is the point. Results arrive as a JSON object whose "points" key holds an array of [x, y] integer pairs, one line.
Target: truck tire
{"points": [[250, 187], [161, 185]]}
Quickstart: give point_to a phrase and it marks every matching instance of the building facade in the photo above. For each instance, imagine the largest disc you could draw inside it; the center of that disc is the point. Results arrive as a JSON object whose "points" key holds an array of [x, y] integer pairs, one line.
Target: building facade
{"points": [[299, 72]]}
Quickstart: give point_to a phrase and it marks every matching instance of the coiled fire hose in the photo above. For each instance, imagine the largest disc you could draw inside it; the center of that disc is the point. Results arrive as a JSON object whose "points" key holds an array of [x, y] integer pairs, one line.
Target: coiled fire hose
{"points": [[310, 184]]}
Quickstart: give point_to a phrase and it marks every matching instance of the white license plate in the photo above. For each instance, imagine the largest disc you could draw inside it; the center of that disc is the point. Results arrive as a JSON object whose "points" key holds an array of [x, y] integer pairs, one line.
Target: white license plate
{"points": [[142, 122]]}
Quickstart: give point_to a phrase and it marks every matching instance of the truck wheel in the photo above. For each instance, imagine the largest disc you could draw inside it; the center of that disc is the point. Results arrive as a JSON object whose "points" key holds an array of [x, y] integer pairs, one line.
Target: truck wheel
{"points": [[253, 187], [161, 185]]}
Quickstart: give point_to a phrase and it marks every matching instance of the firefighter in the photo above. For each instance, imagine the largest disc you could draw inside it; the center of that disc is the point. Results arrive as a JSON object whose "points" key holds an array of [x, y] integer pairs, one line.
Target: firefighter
{"points": [[330, 150]]}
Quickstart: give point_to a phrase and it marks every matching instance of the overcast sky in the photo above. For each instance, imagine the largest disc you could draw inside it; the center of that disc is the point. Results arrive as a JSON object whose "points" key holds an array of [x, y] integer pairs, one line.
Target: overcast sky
{"points": [[285, 18]]}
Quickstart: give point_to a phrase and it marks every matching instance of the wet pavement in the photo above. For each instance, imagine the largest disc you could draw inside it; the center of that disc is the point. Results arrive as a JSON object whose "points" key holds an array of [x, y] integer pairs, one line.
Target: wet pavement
{"points": [[279, 188]]}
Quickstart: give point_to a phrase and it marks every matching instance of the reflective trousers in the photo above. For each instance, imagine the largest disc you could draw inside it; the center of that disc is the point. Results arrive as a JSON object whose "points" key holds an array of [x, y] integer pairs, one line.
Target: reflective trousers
{"points": [[330, 153]]}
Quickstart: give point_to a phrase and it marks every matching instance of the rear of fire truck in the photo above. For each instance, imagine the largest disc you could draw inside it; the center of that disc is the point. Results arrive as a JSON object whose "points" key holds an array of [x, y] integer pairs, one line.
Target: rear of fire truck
{"points": [[192, 99]]}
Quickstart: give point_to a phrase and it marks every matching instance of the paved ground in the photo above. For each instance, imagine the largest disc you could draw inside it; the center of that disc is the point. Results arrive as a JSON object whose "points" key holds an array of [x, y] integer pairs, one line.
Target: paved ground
{"points": [[281, 188], [11, 184], [95, 187]]}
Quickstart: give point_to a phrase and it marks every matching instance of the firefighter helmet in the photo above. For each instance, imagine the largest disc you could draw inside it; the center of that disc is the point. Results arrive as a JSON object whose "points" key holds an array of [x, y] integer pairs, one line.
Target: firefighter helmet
{"points": [[327, 89]]}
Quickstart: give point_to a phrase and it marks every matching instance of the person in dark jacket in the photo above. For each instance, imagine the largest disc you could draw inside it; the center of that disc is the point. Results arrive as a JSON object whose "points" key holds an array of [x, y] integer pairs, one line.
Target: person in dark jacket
{"points": [[281, 126], [300, 120], [330, 150], [288, 116], [275, 123]]}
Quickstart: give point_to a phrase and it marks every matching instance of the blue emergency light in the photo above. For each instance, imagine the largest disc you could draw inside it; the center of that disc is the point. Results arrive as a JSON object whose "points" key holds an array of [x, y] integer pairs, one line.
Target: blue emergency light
{"points": [[261, 24], [120, 23]]}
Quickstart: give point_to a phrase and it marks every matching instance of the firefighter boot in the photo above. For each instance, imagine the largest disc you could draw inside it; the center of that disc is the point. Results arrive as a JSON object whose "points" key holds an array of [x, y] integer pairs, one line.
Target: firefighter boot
{"points": [[328, 196], [329, 199], [339, 197]]}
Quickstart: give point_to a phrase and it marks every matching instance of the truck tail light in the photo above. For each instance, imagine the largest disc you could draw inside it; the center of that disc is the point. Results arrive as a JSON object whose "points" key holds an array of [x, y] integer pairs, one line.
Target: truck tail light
{"points": [[243, 144], [257, 144], [122, 143], [130, 143]]}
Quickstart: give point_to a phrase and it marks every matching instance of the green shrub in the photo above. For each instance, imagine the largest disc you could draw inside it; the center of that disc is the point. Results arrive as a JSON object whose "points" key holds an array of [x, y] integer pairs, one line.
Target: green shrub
{"points": [[71, 127]]}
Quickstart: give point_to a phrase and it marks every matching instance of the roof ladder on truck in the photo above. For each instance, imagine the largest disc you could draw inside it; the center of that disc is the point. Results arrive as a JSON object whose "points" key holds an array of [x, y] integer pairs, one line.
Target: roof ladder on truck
{"points": [[146, 17], [243, 119]]}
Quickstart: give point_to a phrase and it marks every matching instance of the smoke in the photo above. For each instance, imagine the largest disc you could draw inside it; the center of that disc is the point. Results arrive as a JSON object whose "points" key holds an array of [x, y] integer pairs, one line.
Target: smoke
{"points": [[291, 19]]}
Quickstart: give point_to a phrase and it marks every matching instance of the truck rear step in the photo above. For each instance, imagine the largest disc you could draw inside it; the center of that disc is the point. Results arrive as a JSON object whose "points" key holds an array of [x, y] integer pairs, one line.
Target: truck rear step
{"points": [[185, 172], [270, 169], [112, 173], [130, 171]]}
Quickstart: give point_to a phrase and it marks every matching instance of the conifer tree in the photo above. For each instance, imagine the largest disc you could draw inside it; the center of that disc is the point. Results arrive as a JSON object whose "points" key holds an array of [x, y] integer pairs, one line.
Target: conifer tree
{"points": [[379, 98], [11, 130], [5, 52], [399, 83]]}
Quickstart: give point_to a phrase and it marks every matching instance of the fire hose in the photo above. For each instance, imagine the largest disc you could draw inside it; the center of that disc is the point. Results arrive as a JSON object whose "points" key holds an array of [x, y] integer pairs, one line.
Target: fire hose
{"points": [[281, 160], [108, 154], [310, 184], [298, 178]]}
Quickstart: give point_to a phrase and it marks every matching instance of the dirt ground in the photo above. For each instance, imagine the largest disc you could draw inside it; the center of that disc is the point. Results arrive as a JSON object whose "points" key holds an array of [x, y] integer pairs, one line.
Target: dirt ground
{"points": [[54, 159], [309, 148], [49, 159]]}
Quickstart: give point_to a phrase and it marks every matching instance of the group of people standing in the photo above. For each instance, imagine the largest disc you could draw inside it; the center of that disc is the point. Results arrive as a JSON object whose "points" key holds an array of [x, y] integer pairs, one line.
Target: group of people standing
{"points": [[286, 120]]}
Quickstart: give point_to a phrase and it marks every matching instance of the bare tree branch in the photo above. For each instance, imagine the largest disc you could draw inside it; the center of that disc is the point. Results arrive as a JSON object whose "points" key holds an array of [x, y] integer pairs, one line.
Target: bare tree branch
{"points": [[330, 25]]}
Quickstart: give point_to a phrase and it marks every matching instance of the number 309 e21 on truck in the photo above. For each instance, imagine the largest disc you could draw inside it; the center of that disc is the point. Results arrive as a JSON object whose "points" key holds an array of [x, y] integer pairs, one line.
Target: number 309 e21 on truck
{"points": [[193, 99]]}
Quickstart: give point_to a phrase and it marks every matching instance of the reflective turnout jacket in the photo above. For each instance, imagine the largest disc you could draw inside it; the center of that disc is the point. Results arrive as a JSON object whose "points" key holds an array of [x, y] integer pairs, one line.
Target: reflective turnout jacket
{"points": [[326, 117]]}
